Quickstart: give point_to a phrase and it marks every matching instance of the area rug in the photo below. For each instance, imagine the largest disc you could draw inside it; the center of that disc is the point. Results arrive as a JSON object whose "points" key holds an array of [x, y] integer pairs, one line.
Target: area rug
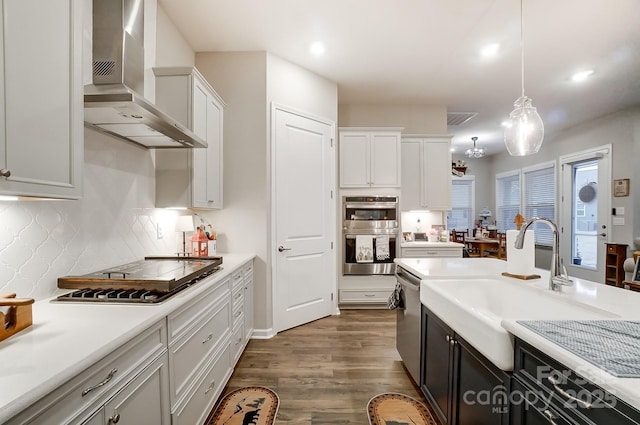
{"points": [[398, 409], [244, 406]]}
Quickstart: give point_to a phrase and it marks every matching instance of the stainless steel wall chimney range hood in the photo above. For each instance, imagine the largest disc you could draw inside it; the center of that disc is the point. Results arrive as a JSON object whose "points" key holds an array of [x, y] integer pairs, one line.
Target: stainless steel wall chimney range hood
{"points": [[113, 103]]}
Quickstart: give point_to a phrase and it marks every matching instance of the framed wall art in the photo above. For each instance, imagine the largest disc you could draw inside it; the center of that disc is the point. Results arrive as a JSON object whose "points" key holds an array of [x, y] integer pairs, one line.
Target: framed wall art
{"points": [[621, 187]]}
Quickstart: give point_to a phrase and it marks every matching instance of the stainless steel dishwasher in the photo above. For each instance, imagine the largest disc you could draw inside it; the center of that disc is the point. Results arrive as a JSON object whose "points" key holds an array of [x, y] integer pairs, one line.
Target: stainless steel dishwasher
{"points": [[408, 322]]}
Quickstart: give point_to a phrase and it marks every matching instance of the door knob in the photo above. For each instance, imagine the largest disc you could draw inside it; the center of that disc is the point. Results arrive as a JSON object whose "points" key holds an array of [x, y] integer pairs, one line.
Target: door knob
{"points": [[281, 248], [4, 172]]}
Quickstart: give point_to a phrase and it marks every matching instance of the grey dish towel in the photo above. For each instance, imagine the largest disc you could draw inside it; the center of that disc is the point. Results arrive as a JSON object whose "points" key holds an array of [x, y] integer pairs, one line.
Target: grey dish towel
{"points": [[395, 299]]}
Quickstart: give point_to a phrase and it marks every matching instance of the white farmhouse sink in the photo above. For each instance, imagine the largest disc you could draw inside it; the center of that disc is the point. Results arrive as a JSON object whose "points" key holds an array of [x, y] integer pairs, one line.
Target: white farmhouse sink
{"points": [[474, 308]]}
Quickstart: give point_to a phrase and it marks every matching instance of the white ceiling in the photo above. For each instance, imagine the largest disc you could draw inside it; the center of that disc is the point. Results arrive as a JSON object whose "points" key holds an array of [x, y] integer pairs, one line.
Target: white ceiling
{"points": [[427, 52]]}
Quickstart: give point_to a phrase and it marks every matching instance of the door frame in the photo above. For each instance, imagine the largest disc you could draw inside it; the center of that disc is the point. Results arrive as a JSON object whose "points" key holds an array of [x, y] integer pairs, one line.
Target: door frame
{"points": [[271, 238], [604, 217]]}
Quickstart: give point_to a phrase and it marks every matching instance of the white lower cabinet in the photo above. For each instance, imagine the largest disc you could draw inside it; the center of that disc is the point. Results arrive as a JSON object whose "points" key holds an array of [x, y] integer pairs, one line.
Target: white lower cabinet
{"points": [[124, 372], [130, 406], [172, 373], [208, 387]]}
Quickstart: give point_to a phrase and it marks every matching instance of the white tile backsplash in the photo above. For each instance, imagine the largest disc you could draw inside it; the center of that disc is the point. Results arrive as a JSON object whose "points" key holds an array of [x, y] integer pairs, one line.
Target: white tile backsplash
{"points": [[114, 222]]}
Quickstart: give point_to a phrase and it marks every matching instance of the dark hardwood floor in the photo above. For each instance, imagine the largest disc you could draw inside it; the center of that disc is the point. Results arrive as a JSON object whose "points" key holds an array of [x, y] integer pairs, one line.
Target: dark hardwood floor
{"points": [[326, 371]]}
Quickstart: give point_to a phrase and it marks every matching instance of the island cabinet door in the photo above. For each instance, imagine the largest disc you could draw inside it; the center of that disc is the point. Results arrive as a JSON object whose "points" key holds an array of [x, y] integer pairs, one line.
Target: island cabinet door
{"points": [[480, 389], [437, 365]]}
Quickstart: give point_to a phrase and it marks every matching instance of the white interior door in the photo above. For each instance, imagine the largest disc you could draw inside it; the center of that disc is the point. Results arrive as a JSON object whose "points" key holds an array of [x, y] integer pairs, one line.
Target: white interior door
{"points": [[585, 206], [304, 277]]}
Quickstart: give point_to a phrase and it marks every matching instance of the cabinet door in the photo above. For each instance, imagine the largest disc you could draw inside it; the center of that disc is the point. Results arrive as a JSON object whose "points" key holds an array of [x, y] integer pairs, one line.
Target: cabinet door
{"points": [[481, 391], [144, 400], [354, 160], [214, 153], [411, 193], [248, 307], [437, 366], [436, 194], [41, 124], [385, 160]]}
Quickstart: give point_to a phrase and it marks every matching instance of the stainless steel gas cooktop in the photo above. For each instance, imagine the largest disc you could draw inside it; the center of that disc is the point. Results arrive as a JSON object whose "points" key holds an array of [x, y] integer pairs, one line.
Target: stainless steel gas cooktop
{"points": [[151, 280]]}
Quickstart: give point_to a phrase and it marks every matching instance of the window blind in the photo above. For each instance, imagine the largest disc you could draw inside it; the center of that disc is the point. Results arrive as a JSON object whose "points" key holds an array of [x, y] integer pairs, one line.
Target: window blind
{"points": [[539, 200], [507, 201], [461, 215]]}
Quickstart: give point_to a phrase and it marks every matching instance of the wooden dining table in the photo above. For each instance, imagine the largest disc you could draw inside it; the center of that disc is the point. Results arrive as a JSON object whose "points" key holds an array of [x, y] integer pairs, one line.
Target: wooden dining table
{"points": [[481, 244]]}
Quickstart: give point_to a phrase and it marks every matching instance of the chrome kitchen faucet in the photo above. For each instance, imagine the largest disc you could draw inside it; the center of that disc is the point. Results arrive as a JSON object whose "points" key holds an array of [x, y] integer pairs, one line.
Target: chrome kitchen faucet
{"points": [[557, 273]]}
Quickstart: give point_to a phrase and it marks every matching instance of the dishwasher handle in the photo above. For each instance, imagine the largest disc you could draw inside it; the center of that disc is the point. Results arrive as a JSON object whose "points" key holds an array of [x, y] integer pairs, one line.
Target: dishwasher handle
{"points": [[408, 279]]}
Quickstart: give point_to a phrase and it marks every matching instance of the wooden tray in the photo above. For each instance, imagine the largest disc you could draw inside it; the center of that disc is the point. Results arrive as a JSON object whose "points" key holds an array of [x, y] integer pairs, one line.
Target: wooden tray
{"points": [[15, 314]]}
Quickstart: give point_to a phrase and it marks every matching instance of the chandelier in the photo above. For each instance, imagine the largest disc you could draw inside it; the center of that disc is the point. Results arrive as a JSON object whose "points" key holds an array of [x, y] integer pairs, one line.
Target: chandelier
{"points": [[524, 130], [475, 152]]}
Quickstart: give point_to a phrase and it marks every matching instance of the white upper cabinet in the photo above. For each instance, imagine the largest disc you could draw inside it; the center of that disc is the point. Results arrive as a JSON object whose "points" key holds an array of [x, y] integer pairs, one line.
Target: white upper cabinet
{"points": [[41, 106], [190, 178], [426, 173], [369, 157]]}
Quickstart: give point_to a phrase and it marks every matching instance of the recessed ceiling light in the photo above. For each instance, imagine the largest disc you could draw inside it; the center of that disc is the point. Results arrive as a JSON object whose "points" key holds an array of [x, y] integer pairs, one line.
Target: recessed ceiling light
{"points": [[582, 75], [317, 48], [490, 50]]}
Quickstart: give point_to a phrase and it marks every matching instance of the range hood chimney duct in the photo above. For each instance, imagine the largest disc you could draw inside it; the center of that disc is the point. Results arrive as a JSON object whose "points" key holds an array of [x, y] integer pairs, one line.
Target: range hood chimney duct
{"points": [[113, 103]]}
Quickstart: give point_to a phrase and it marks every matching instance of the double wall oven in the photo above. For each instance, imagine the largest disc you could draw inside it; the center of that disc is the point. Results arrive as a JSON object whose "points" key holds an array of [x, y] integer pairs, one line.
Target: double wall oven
{"points": [[370, 222]]}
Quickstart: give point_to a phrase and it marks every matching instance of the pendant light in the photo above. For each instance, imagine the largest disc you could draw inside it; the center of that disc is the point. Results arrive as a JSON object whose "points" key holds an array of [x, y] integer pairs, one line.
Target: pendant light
{"points": [[524, 130], [475, 152]]}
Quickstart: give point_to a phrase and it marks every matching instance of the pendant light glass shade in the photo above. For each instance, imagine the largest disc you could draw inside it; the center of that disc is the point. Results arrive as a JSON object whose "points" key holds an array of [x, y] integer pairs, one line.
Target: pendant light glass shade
{"points": [[524, 131]]}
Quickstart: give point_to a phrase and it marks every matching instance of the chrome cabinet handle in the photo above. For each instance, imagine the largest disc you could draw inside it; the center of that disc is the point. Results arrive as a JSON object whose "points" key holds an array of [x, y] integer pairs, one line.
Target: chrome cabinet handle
{"points": [[4, 172], [213, 384], [105, 382], [550, 416], [555, 382], [207, 339], [281, 248], [114, 419]]}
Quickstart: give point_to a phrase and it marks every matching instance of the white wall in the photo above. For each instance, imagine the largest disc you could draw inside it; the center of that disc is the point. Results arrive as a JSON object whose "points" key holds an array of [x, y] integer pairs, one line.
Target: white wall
{"points": [[171, 47], [248, 82], [415, 119], [240, 79], [114, 222]]}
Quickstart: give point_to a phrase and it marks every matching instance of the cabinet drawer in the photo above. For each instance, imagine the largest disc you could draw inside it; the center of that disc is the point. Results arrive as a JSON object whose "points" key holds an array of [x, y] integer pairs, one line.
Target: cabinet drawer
{"points": [[237, 296], [236, 278], [247, 269], [190, 352], [198, 404], [181, 319], [237, 342], [97, 382], [237, 313], [539, 371], [364, 295], [431, 252]]}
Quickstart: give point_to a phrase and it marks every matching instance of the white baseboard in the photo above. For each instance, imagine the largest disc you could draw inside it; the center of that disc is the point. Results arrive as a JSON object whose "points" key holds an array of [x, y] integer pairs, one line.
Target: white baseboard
{"points": [[263, 333]]}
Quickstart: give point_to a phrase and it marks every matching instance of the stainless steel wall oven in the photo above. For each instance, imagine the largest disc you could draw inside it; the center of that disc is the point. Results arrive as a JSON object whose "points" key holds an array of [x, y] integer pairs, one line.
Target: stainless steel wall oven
{"points": [[370, 231]]}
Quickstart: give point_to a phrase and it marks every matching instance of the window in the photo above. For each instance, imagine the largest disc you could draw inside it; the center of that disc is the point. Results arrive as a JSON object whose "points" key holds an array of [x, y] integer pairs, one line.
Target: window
{"points": [[507, 199], [530, 192], [462, 213], [539, 198]]}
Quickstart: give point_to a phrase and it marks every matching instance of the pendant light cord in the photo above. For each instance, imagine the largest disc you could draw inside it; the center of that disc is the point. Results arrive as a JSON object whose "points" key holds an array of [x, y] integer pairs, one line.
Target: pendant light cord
{"points": [[522, 46]]}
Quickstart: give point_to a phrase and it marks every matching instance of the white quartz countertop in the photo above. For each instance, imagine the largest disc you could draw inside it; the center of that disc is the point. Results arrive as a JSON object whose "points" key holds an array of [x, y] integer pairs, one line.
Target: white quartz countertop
{"points": [[68, 337], [622, 303], [425, 244]]}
